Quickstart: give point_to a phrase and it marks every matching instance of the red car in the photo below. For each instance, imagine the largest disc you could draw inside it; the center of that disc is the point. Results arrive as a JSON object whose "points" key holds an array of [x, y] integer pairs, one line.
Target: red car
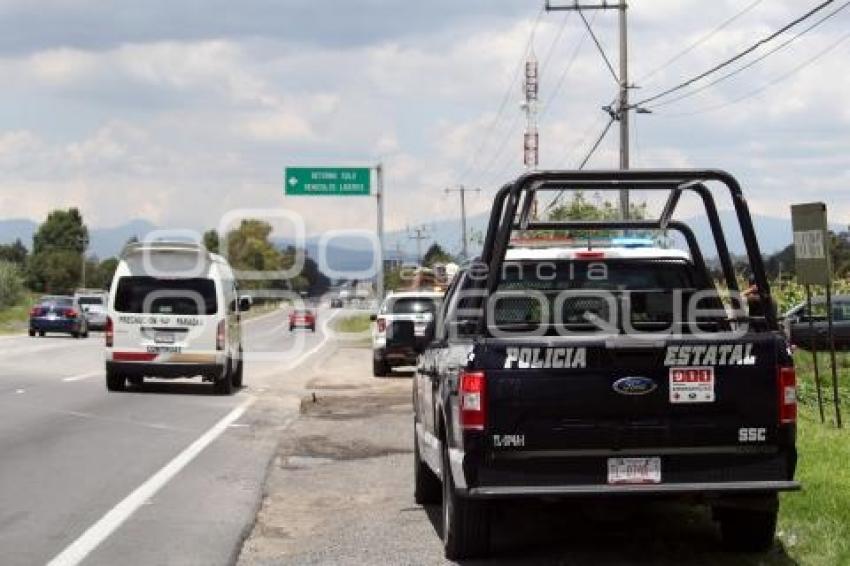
{"points": [[302, 318]]}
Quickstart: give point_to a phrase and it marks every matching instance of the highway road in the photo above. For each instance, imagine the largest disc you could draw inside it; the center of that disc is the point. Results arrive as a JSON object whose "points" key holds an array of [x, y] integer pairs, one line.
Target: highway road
{"points": [[166, 473]]}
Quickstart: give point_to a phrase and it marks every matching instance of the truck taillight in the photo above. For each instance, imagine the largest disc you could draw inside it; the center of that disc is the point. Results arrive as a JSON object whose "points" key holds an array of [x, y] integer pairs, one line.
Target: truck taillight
{"points": [[219, 336], [473, 400], [109, 333], [786, 385], [590, 255], [382, 324]]}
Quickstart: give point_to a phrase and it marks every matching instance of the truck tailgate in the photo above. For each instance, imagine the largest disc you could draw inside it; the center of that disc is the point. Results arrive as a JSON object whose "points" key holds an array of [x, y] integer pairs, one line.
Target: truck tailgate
{"points": [[674, 395]]}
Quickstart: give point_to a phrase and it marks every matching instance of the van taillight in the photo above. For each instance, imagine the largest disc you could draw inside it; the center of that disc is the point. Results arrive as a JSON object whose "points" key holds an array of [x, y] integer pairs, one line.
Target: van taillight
{"points": [[473, 400], [382, 324], [219, 336], [109, 334], [786, 385]]}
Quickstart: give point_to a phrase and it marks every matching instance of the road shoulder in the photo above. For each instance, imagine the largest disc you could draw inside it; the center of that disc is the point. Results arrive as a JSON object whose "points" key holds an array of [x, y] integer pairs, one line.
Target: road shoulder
{"points": [[328, 495]]}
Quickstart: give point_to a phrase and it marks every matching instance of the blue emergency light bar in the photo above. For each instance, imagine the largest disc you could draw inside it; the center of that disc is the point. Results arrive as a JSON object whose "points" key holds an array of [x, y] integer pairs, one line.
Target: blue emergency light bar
{"points": [[627, 242]]}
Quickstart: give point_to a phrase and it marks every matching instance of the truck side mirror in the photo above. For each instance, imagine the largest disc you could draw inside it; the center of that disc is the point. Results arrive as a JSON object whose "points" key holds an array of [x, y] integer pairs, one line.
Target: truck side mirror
{"points": [[373, 317], [244, 303]]}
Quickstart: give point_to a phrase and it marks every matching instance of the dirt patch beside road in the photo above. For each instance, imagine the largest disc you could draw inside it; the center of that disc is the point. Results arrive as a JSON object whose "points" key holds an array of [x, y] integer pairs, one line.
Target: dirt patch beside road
{"points": [[335, 487]]}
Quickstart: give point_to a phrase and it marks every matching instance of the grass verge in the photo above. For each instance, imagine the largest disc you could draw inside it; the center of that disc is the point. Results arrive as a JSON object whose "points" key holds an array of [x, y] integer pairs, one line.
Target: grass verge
{"points": [[814, 525], [353, 323], [14, 320]]}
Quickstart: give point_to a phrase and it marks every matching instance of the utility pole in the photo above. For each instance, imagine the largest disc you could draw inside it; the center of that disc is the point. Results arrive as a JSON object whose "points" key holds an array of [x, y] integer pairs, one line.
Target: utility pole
{"points": [[84, 243], [418, 233], [621, 112], [461, 190], [379, 197]]}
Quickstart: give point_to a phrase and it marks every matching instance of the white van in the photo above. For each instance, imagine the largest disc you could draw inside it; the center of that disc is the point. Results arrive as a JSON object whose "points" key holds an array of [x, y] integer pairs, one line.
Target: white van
{"points": [[173, 312]]}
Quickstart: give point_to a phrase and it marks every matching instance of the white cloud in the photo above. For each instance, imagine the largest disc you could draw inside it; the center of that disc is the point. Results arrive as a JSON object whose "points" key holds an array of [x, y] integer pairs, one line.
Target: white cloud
{"points": [[181, 130]]}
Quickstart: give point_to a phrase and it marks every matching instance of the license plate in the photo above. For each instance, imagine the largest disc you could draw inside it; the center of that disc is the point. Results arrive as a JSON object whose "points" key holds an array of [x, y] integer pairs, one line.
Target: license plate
{"points": [[51, 316], [164, 338], [634, 470]]}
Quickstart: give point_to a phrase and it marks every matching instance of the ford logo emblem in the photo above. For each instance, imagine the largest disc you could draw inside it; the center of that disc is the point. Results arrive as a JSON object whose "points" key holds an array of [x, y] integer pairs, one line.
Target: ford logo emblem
{"points": [[634, 386]]}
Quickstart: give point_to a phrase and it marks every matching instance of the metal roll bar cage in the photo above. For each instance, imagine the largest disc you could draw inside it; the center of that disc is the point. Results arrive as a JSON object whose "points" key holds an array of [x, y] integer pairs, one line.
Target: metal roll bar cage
{"points": [[519, 195]]}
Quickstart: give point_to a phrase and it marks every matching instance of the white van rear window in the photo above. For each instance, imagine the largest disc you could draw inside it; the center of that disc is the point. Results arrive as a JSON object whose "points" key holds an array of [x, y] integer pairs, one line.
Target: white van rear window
{"points": [[149, 295]]}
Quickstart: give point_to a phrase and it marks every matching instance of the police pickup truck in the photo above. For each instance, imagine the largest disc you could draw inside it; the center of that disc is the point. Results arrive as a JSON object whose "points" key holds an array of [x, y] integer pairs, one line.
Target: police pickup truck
{"points": [[605, 369]]}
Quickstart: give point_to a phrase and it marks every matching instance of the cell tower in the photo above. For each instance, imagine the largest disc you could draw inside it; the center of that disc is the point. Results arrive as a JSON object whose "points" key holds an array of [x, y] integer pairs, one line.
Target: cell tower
{"points": [[531, 138]]}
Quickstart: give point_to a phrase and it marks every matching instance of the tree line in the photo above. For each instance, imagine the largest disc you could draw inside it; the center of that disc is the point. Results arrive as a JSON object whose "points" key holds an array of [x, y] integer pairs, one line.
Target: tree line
{"points": [[57, 260]]}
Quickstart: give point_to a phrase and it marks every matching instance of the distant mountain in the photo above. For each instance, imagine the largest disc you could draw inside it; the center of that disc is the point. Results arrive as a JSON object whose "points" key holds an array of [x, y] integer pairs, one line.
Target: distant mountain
{"points": [[773, 234], [355, 255], [15, 228], [108, 242], [104, 242]]}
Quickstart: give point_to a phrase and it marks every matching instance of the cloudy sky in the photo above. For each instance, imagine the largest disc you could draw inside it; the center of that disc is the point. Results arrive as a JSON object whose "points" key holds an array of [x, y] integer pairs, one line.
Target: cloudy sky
{"points": [[178, 111]]}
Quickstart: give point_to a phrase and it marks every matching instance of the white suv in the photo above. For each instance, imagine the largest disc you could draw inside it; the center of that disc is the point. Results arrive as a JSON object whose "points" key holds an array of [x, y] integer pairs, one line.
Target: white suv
{"points": [[174, 312], [419, 307]]}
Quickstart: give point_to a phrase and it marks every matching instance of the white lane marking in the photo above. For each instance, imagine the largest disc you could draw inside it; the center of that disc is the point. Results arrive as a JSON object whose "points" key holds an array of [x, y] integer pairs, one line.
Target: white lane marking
{"points": [[325, 337], [82, 376], [115, 517]]}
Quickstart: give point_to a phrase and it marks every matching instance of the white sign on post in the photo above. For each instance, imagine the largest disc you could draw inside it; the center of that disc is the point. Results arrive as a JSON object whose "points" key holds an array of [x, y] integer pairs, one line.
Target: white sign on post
{"points": [[808, 244]]}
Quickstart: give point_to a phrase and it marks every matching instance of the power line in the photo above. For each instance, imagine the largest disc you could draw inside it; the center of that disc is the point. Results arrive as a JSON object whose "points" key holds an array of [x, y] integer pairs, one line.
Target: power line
{"points": [[583, 138], [586, 158], [740, 55], [512, 129], [596, 144], [793, 71], [505, 98], [752, 63], [723, 25], [599, 47], [554, 43], [565, 72]]}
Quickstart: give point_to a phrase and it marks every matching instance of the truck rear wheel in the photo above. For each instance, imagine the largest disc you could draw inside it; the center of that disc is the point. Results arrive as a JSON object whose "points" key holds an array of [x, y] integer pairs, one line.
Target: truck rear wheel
{"points": [[466, 522], [747, 530], [379, 367], [426, 485], [114, 381]]}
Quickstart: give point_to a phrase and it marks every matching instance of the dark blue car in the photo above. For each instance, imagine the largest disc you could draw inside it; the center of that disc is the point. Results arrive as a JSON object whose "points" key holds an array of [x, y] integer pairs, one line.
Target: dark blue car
{"points": [[58, 314]]}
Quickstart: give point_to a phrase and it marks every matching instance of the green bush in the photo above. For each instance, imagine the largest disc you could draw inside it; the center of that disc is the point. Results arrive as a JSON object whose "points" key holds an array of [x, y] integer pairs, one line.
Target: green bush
{"points": [[11, 284]]}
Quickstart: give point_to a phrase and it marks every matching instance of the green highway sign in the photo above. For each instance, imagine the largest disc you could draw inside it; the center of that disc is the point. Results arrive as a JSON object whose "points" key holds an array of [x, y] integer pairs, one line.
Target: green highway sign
{"points": [[327, 181]]}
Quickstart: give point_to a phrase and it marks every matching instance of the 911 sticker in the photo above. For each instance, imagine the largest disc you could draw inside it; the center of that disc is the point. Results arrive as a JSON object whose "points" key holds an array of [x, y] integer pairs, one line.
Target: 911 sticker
{"points": [[692, 385]]}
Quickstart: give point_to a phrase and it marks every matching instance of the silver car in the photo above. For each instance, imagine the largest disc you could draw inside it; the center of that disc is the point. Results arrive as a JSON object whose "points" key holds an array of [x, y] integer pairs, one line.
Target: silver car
{"points": [[94, 307]]}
